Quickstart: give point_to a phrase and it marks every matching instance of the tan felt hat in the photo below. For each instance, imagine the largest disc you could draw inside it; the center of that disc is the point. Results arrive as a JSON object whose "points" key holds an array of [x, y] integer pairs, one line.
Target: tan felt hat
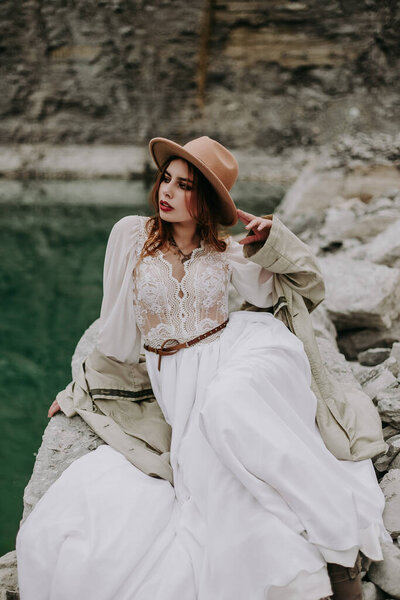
{"points": [[216, 163]]}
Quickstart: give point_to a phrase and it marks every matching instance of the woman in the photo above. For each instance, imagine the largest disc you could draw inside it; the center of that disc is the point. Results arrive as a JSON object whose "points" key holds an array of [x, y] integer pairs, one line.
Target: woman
{"points": [[259, 504]]}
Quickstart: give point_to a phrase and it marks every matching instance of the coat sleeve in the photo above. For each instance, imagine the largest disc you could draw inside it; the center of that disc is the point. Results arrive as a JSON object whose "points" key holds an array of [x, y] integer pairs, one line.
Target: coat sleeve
{"points": [[285, 255], [119, 336]]}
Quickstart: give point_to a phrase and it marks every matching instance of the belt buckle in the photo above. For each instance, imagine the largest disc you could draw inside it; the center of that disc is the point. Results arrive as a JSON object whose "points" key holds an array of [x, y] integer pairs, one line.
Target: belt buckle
{"points": [[168, 350]]}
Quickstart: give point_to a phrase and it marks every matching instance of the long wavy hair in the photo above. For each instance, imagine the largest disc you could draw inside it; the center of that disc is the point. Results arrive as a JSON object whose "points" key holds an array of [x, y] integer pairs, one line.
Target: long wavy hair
{"points": [[203, 205]]}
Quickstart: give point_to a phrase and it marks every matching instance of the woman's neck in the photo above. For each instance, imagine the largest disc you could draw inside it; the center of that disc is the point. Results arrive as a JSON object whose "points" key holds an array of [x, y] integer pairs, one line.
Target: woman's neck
{"points": [[185, 236]]}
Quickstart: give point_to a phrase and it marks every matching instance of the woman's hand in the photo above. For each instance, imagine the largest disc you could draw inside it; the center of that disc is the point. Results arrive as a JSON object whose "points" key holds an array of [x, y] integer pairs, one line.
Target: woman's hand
{"points": [[55, 407], [259, 226]]}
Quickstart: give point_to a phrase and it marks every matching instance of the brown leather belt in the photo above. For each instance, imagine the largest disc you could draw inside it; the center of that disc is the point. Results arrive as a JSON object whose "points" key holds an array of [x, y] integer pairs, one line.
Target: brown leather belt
{"points": [[173, 349]]}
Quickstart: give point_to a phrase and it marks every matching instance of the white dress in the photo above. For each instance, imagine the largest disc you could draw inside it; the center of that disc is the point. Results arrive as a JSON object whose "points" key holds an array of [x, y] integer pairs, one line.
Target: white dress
{"points": [[259, 505]]}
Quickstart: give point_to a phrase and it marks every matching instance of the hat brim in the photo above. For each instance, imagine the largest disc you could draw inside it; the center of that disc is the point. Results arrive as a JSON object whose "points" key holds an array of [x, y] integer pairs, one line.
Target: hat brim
{"points": [[162, 149]]}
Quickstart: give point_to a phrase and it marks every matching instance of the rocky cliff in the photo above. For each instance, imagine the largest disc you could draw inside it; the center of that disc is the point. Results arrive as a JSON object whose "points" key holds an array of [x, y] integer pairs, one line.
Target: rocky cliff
{"points": [[268, 74]]}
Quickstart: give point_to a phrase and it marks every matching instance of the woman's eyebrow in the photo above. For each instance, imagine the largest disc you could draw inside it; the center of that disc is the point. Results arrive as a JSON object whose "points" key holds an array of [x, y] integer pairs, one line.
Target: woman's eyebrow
{"points": [[179, 178]]}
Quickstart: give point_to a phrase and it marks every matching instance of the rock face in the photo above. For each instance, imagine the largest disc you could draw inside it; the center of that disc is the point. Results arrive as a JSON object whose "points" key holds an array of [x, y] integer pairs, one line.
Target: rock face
{"points": [[255, 75], [352, 302]]}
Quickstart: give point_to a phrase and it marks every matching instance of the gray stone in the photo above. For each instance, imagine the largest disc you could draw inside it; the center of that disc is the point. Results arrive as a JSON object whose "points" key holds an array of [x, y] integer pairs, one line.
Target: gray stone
{"points": [[395, 352], [390, 486], [64, 440], [322, 324], [352, 342], [85, 346], [386, 574], [382, 463], [388, 402], [371, 591], [352, 301], [379, 378], [385, 248], [8, 577], [373, 356], [389, 431]]}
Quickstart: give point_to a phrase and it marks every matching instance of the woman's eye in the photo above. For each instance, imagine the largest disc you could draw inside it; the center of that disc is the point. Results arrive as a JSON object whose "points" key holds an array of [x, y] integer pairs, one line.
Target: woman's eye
{"points": [[165, 178]]}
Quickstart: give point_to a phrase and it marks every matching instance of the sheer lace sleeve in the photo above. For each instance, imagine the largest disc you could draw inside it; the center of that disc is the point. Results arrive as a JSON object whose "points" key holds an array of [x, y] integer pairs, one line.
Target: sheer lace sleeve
{"points": [[252, 284], [119, 336]]}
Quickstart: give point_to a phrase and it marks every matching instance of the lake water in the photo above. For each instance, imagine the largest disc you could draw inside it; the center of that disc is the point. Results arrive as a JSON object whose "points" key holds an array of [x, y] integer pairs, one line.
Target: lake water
{"points": [[52, 240]]}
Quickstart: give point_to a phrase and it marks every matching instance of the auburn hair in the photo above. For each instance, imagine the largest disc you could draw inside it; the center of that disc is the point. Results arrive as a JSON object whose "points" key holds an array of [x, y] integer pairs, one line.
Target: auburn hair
{"points": [[203, 206]]}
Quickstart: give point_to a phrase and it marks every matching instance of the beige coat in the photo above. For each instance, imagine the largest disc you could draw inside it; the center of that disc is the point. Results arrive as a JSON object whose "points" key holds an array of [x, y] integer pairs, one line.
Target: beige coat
{"points": [[347, 419], [116, 400]]}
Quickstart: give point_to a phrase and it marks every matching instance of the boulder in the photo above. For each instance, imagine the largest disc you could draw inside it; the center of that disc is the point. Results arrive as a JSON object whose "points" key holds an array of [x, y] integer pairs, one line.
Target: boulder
{"points": [[395, 352], [385, 574], [373, 356], [390, 486], [379, 378], [382, 463], [353, 341], [312, 192], [322, 324], [351, 219], [8, 577], [64, 440], [388, 402], [371, 591], [384, 249], [352, 302]]}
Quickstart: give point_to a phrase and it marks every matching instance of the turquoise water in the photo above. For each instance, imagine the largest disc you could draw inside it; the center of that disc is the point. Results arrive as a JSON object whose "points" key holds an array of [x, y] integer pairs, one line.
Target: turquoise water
{"points": [[52, 243]]}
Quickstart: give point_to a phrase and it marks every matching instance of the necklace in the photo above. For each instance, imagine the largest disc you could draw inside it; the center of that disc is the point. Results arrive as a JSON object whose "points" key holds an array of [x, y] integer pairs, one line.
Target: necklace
{"points": [[184, 257]]}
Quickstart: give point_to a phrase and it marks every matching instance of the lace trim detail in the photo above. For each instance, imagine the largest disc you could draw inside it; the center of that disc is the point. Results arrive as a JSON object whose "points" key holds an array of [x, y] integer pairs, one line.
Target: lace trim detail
{"points": [[167, 307]]}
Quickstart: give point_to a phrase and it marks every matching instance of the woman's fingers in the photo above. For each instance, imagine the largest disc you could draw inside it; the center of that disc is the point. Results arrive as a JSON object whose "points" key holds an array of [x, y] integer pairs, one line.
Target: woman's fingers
{"points": [[253, 223], [249, 239], [55, 407], [245, 217]]}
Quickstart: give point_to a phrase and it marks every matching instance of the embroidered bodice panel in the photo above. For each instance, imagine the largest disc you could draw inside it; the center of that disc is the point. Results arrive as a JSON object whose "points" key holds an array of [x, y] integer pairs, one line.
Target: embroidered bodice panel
{"points": [[181, 301]]}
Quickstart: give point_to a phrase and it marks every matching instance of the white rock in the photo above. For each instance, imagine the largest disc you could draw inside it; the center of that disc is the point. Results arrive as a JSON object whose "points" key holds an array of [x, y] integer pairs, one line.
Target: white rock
{"points": [[371, 591], [379, 378], [386, 574], [382, 463], [64, 440], [8, 576], [395, 353], [312, 192], [388, 402], [322, 324], [360, 293], [390, 486], [385, 248], [85, 346]]}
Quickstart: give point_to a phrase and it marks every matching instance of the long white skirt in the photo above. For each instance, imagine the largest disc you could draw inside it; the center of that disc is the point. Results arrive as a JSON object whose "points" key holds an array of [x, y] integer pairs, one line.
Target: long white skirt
{"points": [[259, 504]]}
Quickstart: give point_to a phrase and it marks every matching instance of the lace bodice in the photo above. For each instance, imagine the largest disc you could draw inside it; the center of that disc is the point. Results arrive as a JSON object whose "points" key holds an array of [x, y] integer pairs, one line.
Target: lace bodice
{"points": [[157, 300], [181, 301]]}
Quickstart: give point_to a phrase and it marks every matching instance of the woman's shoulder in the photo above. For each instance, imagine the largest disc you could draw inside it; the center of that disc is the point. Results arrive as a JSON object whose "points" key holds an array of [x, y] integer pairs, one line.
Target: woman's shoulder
{"points": [[129, 224], [127, 233]]}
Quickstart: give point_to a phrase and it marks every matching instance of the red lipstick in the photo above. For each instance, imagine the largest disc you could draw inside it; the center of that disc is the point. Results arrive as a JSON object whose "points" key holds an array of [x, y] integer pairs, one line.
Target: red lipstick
{"points": [[164, 206]]}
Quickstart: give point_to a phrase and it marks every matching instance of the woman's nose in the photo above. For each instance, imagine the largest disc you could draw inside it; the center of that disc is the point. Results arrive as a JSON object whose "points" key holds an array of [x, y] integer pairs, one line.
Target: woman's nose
{"points": [[168, 189]]}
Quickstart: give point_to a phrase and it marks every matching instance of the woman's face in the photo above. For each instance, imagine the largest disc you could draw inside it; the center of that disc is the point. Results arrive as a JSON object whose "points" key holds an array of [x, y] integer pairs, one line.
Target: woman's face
{"points": [[174, 194]]}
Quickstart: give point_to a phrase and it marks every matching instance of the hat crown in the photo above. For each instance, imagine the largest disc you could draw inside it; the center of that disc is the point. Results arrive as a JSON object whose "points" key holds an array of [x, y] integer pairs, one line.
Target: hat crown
{"points": [[215, 157]]}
